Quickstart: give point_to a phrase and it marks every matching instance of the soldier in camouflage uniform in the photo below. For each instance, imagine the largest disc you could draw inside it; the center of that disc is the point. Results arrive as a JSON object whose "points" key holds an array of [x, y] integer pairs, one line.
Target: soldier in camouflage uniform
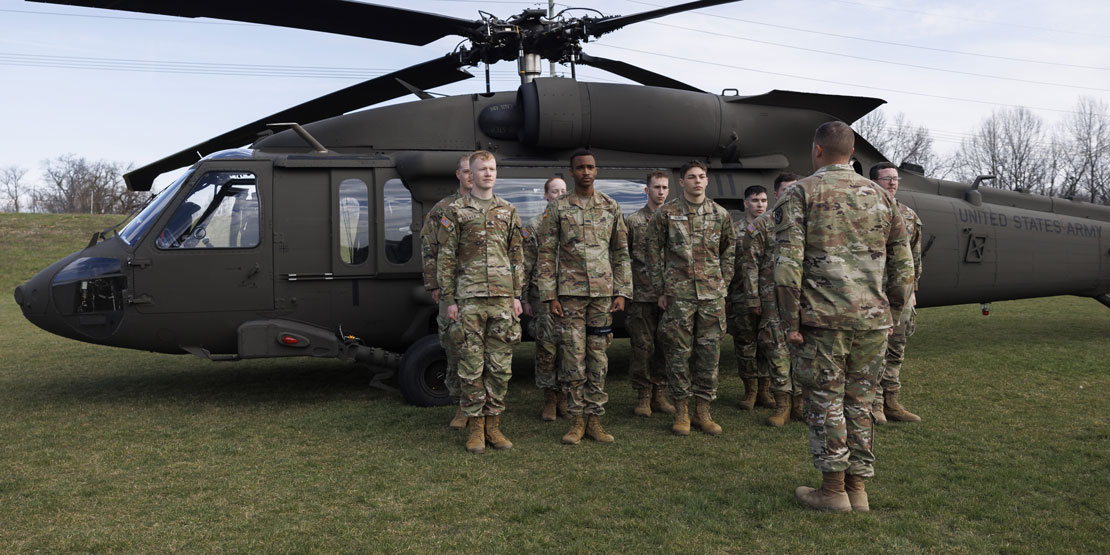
{"points": [[886, 402], [544, 324], [481, 273], [584, 274], [744, 309], [646, 366], [430, 240], [756, 261], [844, 274], [692, 261]]}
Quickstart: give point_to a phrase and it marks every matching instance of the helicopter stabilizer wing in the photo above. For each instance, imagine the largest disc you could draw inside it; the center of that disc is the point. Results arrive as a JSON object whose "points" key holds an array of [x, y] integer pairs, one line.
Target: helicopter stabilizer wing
{"points": [[846, 108]]}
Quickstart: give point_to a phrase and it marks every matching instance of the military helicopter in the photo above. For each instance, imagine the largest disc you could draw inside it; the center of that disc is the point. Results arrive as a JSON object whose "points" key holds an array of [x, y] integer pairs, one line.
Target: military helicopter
{"points": [[303, 243]]}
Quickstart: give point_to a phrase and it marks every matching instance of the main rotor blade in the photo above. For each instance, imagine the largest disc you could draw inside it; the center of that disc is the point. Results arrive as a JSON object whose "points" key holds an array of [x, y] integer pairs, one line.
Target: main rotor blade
{"points": [[637, 74], [430, 74], [342, 17], [599, 27]]}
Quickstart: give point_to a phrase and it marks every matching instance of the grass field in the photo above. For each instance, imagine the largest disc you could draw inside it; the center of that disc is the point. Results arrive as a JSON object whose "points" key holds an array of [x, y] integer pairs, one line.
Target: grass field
{"points": [[106, 450]]}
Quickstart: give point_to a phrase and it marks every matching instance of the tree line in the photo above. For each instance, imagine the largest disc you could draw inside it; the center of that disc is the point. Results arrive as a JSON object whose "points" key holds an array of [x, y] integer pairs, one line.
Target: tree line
{"points": [[1070, 159]]}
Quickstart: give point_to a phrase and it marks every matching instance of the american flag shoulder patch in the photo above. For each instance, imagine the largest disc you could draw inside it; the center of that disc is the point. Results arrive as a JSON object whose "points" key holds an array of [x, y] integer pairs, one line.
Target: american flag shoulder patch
{"points": [[751, 228], [446, 223]]}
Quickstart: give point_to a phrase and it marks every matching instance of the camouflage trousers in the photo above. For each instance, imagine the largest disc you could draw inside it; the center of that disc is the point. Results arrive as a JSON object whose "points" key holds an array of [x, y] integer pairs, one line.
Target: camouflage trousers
{"points": [[488, 331], [896, 352], [546, 346], [692, 329], [773, 357], [582, 347], [450, 346], [647, 366], [743, 324], [840, 370]]}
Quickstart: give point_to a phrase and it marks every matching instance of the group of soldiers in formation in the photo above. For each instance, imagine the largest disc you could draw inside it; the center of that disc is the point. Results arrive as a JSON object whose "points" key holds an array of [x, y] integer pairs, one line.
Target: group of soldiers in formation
{"points": [[817, 292]]}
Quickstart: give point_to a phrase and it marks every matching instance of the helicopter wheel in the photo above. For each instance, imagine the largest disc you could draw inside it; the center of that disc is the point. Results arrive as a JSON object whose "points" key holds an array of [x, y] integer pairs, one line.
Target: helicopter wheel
{"points": [[423, 369]]}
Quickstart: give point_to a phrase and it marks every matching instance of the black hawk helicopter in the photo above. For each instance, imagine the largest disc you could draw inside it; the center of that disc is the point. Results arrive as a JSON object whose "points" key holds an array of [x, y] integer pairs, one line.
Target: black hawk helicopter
{"points": [[303, 243]]}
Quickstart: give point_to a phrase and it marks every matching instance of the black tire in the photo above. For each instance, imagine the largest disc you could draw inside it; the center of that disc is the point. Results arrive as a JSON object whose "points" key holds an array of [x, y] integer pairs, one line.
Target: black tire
{"points": [[420, 377]]}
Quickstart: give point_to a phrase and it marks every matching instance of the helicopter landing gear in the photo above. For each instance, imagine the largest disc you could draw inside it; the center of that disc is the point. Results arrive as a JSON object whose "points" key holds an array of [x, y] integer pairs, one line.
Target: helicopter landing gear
{"points": [[423, 369]]}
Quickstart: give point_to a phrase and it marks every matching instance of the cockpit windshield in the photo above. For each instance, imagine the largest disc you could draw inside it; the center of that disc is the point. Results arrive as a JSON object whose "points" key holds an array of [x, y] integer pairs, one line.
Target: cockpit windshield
{"points": [[140, 223]]}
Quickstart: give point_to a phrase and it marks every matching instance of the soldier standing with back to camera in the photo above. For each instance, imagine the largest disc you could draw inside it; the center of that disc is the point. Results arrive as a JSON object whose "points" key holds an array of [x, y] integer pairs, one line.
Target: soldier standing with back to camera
{"points": [[692, 254], [554, 402], [755, 261], [646, 367], [845, 273], [886, 402], [744, 309], [584, 274], [431, 237], [481, 271]]}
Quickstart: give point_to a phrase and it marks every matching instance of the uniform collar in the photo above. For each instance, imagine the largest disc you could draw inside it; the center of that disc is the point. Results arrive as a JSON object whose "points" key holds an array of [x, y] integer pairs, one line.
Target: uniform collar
{"points": [[573, 198], [688, 207], [835, 168], [471, 201]]}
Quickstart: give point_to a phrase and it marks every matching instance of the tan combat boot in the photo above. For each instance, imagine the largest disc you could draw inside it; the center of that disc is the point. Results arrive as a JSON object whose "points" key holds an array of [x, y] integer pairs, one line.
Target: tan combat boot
{"points": [[594, 430], [659, 402], [764, 398], [550, 399], [577, 428], [476, 441], [458, 422], [561, 405], [681, 424], [830, 497], [748, 402], [643, 402], [702, 419], [797, 409], [494, 435], [895, 411], [857, 496], [782, 410], [877, 411]]}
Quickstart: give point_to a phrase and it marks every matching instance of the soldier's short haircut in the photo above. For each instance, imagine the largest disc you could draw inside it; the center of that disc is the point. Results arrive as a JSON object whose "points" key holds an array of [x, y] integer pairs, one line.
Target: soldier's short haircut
{"points": [[874, 171], [836, 138], [754, 190], [581, 152], [547, 184], [657, 175], [785, 177], [689, 165], [465, 158], [481, 155]]}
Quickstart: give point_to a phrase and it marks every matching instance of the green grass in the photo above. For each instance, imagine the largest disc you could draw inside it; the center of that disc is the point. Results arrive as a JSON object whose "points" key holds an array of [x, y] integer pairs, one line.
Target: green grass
{"points": [[109, 450]]}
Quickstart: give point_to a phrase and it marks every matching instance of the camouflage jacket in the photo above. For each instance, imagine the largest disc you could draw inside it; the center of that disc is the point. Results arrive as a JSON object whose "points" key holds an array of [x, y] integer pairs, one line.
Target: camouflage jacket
{"points": [[638, 249], [913, 226], [431, 238], [482, 254], [759, 256], [531, 237], [692, 250], [744, 288], [583, 249], [844, 258]]}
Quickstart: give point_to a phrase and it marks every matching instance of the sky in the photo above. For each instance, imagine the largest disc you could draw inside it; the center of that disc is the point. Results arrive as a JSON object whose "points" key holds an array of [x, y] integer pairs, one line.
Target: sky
{"points": [[133, 88]]}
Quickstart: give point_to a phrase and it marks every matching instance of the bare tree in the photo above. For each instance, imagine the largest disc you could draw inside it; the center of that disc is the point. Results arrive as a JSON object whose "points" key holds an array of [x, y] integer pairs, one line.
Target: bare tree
{"points": [[900, 140], [73, 184], [1011, 145], [1086, 151], [12, 187]]}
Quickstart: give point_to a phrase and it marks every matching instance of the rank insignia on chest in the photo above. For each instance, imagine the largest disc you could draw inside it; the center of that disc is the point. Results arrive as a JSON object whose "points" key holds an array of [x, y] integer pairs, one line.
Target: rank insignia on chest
{"points": [[445, 222]]}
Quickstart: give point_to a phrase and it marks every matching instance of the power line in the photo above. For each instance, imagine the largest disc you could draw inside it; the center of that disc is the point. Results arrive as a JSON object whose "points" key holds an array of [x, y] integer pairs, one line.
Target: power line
{"points": [[889, 43], [965, 18], [916, 66]]}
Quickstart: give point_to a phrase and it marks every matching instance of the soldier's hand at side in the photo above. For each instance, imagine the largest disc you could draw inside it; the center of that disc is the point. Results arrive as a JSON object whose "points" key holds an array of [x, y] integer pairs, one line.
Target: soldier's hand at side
{"points": [[556, 308], [662, 302], [889, 332], [794, 337], [618, 304], [913, 299], [435, 296], [527, 308], [517, 309], [453, 312], [757, 310]]}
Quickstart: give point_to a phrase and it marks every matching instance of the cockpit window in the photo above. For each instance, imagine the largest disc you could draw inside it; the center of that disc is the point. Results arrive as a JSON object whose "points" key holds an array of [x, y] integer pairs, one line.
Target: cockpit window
{"points": [[140, 223], [222, 211]]}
